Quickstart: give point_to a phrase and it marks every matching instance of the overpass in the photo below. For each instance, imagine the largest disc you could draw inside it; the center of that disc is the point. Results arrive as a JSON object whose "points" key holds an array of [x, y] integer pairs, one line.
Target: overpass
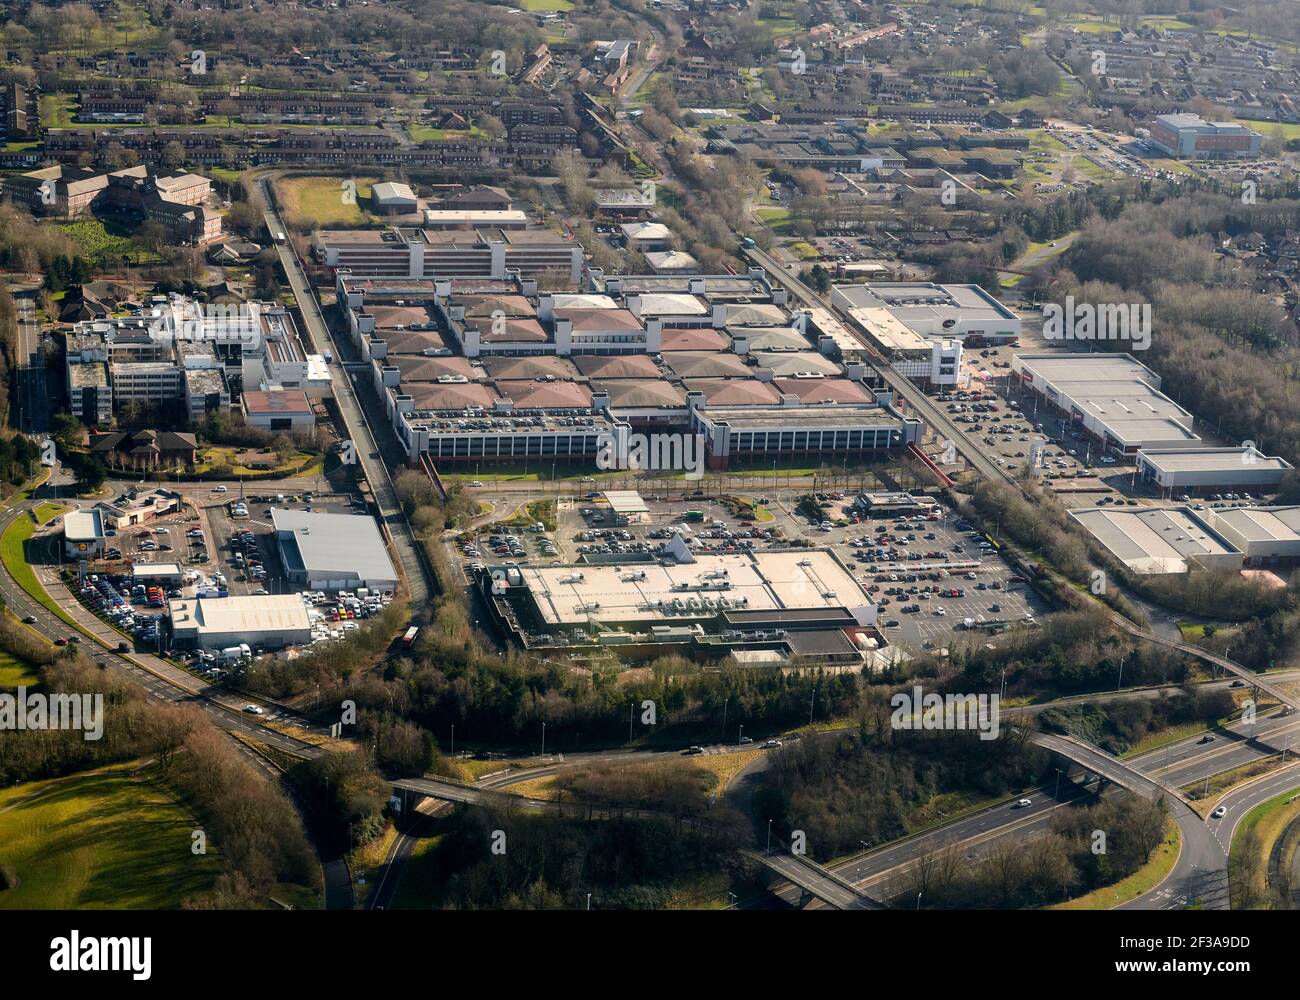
{"points": [[455, 791], [1267, 685], [817, 881], [1111, 768]]}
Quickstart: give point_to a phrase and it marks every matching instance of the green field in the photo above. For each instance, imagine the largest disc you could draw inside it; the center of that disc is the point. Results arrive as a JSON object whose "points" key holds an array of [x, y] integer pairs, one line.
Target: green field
{"points": [[109, 839], [14, 672], [56, 110], [322, 200], [1287, 130], [545, 5]]}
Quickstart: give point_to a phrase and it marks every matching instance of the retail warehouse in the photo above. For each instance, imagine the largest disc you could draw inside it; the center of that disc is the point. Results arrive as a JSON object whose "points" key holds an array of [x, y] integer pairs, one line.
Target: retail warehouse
{"points": [[1160, 540], [965, 313], [332, 551], [1111, 397], [269, 622], [1265, 535], [1210, 468]]}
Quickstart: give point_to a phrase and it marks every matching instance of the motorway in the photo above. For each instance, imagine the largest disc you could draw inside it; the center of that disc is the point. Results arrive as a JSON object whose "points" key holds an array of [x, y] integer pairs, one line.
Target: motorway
{"points": [[418, 578], [1200, 872]]}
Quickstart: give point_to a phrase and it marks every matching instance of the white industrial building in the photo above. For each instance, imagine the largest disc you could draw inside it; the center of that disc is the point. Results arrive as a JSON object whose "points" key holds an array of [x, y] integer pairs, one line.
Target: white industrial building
{"points": [[163, 574], [83, 534], [332, 551], [948, 312], [1210, 468], [701, 588], [390, 196], [269, 621]]}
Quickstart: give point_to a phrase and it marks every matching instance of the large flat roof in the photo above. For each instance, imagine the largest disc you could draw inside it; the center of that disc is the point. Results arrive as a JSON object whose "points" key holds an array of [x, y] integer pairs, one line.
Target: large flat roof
{"points": [[335, 545], [922, 302], [1156, 540], [1114, 389], [770, 581], [265, 613], [1210, 459], [83, 526], [1060, 366], [1261, 524]]}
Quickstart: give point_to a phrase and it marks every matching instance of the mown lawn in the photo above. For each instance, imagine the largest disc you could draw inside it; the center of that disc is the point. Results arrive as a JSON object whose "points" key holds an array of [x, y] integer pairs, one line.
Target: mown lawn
{"points": [[110, 839], [15, 672], [324, 200], [46, 511], [1270, 820]]}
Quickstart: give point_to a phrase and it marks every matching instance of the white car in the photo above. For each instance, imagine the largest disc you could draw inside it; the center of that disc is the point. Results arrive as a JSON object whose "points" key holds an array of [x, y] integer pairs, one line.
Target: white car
{"points": [[1219, 813], [254, 710], [218, 489], [1023, 803]]}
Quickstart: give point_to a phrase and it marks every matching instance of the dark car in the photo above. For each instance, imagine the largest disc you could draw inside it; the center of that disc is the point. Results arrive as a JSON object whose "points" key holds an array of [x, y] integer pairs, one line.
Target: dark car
{"points": [[123, 647]]}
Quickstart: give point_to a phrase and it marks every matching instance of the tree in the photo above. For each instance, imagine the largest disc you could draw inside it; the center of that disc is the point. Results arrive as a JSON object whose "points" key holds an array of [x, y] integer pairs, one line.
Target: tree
{"points": [[90, 474]]}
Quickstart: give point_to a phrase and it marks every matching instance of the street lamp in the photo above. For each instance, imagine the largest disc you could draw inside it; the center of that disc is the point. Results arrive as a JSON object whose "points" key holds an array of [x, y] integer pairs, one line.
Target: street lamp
{"points": [[769, 836]]}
